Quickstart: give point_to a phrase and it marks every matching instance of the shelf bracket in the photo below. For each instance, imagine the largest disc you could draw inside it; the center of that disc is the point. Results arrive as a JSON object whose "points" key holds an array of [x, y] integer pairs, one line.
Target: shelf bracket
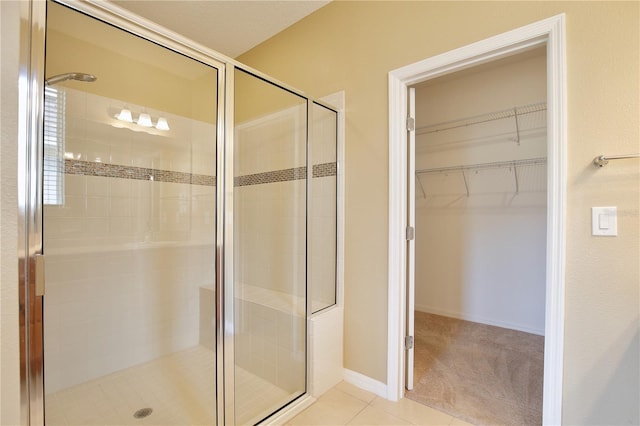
{"points": [[466, 185], [515, 116], [424, 194], [515, 175]]}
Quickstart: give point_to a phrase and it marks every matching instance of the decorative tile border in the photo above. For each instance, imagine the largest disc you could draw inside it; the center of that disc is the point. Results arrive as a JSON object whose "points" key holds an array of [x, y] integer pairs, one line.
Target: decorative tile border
{"points": [[318, 171], [325, 170], [88, 168], [271, 177]]}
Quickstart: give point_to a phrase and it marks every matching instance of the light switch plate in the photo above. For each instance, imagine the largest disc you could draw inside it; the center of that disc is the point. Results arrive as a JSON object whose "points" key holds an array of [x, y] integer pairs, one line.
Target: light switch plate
{"points": [[604, 221]]}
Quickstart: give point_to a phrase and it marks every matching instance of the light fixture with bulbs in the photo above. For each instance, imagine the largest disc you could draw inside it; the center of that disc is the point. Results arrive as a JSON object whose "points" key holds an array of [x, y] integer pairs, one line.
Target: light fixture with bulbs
{"points": [[125, 115], [162, 124], [143, 120]]}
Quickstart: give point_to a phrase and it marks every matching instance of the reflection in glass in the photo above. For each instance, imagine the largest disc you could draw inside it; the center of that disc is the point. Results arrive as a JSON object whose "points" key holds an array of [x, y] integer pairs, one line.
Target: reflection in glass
{"points": [[129, 229], [322, 211], [269, 247]]}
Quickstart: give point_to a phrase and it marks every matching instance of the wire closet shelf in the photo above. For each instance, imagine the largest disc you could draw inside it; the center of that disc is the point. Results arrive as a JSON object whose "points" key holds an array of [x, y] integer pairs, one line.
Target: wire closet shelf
{"points": [[515, 124], [515, 168], [485, 166], [525, 117]]}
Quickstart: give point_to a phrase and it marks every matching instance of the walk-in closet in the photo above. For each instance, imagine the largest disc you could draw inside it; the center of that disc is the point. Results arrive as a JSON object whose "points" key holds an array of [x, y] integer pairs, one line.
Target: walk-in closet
{"points": [[480, 240]]}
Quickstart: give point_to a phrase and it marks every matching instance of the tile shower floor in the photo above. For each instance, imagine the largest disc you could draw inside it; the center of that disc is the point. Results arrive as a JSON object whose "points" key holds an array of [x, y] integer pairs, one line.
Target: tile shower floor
{"points": [[180, 388]]}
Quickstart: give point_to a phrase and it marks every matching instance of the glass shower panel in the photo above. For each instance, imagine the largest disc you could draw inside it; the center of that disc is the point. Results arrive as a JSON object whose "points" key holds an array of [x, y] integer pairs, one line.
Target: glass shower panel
{"points": [[323, 207], [129, 228], [269, 247]]}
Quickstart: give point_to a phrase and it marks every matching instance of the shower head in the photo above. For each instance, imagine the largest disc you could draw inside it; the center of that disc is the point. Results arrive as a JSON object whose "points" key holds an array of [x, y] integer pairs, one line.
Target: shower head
{"points": [[78, 76]]}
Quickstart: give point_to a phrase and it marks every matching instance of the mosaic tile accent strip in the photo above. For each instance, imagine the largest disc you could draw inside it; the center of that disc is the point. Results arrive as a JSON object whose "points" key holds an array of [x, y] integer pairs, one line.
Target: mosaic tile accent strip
{"points": [[325, 170], [271, 177], [88, 168]]}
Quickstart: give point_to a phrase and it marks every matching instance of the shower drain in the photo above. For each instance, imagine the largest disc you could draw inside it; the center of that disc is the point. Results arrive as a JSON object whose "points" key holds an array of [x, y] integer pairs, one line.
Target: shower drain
{"points": [[142, 413]]}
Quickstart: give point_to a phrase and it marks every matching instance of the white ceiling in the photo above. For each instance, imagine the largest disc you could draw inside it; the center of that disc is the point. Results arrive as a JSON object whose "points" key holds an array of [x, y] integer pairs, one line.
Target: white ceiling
{"points": [[230, 27]]}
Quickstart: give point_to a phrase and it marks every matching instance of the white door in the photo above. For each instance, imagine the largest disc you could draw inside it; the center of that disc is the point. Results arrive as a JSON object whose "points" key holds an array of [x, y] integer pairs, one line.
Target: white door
{"points": [[411, 244]]}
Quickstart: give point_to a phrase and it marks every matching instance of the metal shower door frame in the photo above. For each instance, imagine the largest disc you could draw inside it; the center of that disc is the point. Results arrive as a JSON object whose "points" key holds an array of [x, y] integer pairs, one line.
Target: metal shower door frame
{"points": [[30, 178]]}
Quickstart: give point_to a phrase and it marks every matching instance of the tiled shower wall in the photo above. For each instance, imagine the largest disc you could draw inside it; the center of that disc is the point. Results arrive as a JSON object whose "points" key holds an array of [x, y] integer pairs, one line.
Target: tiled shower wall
{"points": [[271, 238], [109, 310], [131, 244], [126, 185]]}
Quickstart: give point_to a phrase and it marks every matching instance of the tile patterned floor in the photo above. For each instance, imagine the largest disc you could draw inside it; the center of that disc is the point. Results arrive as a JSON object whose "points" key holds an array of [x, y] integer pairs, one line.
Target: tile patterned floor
{"points": [[346, 404], [177, 393], [180, 388]]}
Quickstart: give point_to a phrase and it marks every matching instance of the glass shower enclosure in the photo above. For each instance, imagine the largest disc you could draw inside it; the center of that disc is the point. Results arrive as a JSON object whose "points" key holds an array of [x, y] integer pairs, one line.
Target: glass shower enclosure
{"points": [[269, 204], [186, 207], [129, 224]]}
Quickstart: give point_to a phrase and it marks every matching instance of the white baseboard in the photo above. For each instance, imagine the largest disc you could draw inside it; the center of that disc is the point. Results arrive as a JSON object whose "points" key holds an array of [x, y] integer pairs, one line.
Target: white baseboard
{"points": [[481, 320], [366, 383]]}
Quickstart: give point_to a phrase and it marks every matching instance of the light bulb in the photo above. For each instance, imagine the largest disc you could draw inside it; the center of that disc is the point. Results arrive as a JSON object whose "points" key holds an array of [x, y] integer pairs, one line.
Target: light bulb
{"points": [[145, 120], [125, 115], [162, 124]]}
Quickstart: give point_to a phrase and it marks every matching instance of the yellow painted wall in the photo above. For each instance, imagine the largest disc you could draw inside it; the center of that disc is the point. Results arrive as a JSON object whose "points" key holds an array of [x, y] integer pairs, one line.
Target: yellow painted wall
{"points": [[352, 46], [256, 98]]}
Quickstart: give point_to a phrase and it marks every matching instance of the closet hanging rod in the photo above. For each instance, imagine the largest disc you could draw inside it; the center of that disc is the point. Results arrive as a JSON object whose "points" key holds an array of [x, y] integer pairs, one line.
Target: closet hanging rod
{"points": [[494, 165], [603, 160], [482, 118]]}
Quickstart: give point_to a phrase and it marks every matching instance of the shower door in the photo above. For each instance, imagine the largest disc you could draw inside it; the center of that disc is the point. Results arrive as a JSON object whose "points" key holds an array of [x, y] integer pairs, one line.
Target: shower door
{"points": [[269, 247], [129, 222]]}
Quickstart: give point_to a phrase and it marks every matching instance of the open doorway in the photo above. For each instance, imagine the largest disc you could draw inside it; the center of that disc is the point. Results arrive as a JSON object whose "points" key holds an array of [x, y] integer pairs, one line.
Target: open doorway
{"points": [[549, 33], [480, 240]]}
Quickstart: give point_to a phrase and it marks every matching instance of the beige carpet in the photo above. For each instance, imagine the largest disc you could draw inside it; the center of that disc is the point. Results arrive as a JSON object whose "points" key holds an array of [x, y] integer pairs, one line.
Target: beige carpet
{"points": [[483, 374]]}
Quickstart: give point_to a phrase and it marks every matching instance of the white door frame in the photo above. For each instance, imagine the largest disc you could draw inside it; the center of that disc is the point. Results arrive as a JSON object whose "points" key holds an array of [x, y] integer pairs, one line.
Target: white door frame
{"points": [[549, 32]]}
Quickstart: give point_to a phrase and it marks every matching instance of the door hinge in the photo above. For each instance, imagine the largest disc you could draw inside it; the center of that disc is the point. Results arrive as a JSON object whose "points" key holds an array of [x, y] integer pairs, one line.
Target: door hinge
{"points": [[411, 124], [408, 342], [410, 233]]}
